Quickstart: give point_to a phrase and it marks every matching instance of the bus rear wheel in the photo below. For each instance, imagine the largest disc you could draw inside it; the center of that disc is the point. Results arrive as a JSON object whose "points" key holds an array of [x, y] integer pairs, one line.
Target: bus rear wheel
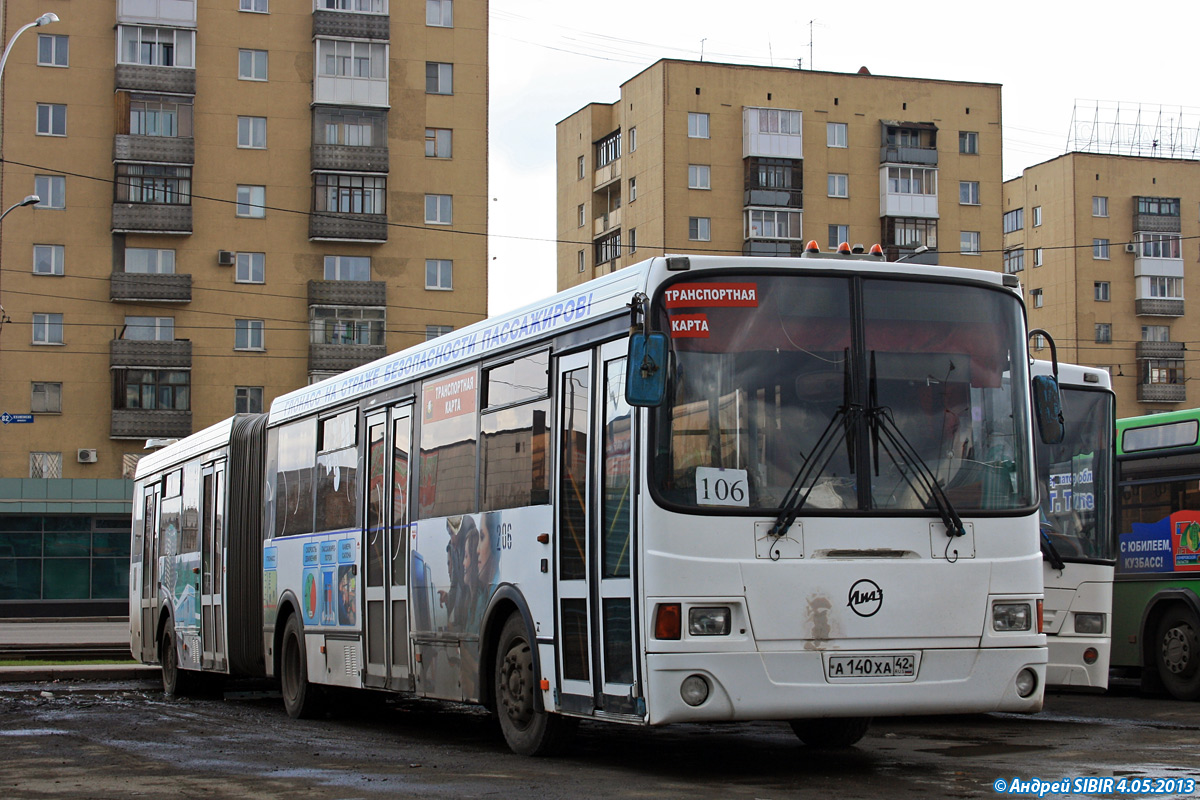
{"points": [[831, 733], [301, 699], [528, 731], [174, 680], [1177, 653]]}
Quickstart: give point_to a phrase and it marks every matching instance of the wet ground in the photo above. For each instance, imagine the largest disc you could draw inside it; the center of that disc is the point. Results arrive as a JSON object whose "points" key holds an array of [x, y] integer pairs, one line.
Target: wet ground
{"points": [[123, 739]]}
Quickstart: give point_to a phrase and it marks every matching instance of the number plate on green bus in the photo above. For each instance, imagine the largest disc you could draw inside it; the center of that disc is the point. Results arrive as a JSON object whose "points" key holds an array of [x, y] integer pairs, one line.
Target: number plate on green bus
{"points": [[902, 666]]}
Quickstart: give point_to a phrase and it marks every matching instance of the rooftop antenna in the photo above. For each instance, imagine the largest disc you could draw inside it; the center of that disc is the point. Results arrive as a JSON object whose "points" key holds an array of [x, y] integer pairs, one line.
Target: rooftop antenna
{"points": [[810, 43], [702, 41]]}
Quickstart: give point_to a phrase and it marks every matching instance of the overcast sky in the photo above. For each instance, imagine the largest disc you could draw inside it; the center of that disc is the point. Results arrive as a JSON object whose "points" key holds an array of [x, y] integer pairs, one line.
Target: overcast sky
{"points": [[549, 58]]}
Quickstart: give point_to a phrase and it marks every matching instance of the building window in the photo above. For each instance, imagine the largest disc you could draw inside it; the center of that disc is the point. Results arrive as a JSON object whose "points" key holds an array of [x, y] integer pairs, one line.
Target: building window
{"points": [[338, 58], [968, 243], [1037, 256], [247, 399], [1163, 372], [1103, 333], [439, 209], [250, 268], [1101, 289], [252, 65], [699, 229], [149, 261], [608, 248], [52, 189], [632, 139], [47, 329], [1014, 260], [839, 185], [968, 143], [45, 398], [52, 50], [156, 47], [968, 193], [51, 119], [579, 259], [632, 189], [581, 174], [699, 176], [1035, 295], [582, 216], [1014, 220], [439, 78], [909, 180], [632, 240], [347, 268], [349, 194], [837, 235], [252, 132], [157, 115], [608, 149], [1164, 288], [835, 134], [439, 274], [770, 223], [45, 465], [248, 334], [1156, 333], [697, 125], [907, 233], [157, 184], [1100, 248], [1099, 206], [438, 142], [1037, 216], [349, 128], [439, 13], [345, 325], [149, 329], [1159, 245], [434, 331], [257, 6], [251, 201], [149, 389], [357, 6], [1158, 206], [48, 259]]}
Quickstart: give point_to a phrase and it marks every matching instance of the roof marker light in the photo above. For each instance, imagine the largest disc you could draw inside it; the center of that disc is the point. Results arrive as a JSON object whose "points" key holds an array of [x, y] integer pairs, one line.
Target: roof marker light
{"points": [[844, 249], [812, 246]]}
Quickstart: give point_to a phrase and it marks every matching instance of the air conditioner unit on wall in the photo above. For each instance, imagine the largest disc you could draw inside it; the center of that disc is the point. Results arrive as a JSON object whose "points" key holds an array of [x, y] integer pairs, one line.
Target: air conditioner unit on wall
{"points": [[1130, 247], [225, 258], [86, 456]]}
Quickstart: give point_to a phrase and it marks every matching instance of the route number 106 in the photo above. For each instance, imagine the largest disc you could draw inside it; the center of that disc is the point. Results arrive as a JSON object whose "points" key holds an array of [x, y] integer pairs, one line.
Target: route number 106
{"points": [[722, 487]]}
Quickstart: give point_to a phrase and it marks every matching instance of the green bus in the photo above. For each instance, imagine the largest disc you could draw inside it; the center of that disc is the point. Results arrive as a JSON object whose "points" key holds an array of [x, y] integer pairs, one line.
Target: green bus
{"points": [[1156, 595]]}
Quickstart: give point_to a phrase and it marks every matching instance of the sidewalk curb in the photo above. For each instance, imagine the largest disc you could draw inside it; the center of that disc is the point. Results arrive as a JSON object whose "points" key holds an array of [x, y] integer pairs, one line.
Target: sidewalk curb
{"points": [[75, 672]]}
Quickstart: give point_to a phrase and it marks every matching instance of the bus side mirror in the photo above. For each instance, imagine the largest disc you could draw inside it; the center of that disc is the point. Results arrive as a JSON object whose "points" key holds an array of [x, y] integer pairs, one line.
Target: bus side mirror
{"points": [[1047, 407], [646, 372]]}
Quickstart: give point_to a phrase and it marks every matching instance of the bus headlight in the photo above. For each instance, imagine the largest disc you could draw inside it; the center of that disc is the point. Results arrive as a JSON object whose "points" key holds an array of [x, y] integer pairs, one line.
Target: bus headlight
{"points": [[1012, 617], [1089, 623], [708, 621]]}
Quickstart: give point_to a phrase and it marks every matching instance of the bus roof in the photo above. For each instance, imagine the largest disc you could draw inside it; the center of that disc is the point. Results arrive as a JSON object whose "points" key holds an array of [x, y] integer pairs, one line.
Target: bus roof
{"points": [[1169, 430], [581, 305], [1075, 375], [198, 443]]}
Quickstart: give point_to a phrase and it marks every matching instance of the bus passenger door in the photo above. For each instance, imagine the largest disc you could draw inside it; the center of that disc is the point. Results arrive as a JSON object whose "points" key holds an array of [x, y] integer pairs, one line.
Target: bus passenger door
{"points": [[148, 589], [212, 575]]}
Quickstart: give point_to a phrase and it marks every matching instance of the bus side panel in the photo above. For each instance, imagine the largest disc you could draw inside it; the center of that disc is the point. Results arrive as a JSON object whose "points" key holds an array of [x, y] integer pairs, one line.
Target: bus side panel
{"points": [[1131, 599]]}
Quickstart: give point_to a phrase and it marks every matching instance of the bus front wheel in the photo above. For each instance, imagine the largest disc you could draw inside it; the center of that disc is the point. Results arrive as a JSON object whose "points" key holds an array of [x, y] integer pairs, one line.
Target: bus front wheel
{"points": [[301, 699], [1177, 653], [528, 731], [174, 681], [831, 733]]}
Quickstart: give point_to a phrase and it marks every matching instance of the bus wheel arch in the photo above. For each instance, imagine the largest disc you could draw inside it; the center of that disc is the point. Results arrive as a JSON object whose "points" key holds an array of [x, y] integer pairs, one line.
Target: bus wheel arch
{"points": [[528, 729], [506, 601]]}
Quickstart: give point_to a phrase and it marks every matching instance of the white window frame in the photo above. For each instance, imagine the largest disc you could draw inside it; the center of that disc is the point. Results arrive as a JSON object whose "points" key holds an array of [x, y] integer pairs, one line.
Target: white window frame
{"points": [[699, 176], [248, 64], [580, 260], [582, 216], [1037, 298], [912, 181], [1037, 216], [1106, 328], [47, 328], [839, 232], [439, 274], [773, 223], [54, 254], [345, 59], [354, 6], [968, 193], [245, 400], [633, 188], [254, 6], [182, 43], [52, 119], [1037, 256], [698, 125], [161, 329], [968, 243], [633, 240], [246, 264], [439, 209], [250, 131], [443, 81], [439, 13], [45, 397], [246, 332], [633, 138], [968, 143], [52, 189], [347, 268], [838, 184], [162, 260], [54, 43], [439, 143], [1102, 291], [251, 201], [1100, 249], [699, 229], [1099, 205], [836, 135]]}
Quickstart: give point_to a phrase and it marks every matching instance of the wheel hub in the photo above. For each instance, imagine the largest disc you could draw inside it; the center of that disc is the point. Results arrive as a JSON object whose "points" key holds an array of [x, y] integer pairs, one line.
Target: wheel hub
{"points": [[516, 694], [1177, 646]]}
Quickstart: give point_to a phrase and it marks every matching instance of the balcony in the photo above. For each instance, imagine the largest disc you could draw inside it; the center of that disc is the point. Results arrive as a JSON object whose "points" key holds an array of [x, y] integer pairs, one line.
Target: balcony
{"points": [[141, 78], [895, 154], [609, 173], [145, 287], [175, 13], [151, 355], [1162, 392], [165, 149], [353, 227], [151, 218], [1160, 350], [606, 222], [138, 423], [349, 159], [1158, 307], [341, 357], [908, 143], [351, 25], [772, 247], [347, 293]]}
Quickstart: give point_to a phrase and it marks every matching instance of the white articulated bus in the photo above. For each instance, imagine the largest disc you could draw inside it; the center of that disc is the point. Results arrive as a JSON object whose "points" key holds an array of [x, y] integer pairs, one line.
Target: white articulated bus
{"points": [[1077, 477], [705, 488]]}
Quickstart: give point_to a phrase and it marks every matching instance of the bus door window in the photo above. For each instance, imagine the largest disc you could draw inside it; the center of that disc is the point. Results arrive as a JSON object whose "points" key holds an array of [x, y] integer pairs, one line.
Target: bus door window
{"points": [[616, 545], [401, 447], [572, 540], [373, 548]]}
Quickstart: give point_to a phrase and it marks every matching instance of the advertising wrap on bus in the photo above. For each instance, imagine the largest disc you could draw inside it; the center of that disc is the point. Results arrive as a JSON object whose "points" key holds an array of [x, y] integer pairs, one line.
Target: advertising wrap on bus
{"points": [[1169, 545]]}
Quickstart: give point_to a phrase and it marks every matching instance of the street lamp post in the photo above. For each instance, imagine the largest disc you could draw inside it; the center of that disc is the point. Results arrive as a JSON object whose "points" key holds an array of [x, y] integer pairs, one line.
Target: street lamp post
{"points": [[44, 19]]}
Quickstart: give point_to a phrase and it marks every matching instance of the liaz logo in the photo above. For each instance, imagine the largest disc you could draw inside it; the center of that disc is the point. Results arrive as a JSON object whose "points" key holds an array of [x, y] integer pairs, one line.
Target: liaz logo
{"points": [[866, 598]]}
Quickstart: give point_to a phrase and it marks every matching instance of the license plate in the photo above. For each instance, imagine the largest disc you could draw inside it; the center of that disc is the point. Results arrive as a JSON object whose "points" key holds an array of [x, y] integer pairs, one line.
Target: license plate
{"points": [[891, 665]]}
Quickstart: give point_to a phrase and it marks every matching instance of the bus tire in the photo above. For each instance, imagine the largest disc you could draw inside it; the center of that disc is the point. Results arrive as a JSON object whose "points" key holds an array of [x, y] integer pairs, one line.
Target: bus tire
{"points": [[528, 731], [831, 733], [175, 681], [301, 699], [1177, 653]]}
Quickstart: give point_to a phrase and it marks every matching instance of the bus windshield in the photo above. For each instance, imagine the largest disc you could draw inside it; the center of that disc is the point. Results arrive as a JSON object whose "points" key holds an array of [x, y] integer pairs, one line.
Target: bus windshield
{"points": [[1076, 506], [857, 387]]}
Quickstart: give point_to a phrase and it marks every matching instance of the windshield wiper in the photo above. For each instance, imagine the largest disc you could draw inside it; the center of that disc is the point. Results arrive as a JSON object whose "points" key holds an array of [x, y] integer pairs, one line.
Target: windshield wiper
{"points": [[821, 454], [1049, 551]]}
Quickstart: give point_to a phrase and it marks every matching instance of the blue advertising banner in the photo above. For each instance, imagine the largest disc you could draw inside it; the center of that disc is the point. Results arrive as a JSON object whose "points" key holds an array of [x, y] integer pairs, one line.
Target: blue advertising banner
{"points": [[1148, 548]]}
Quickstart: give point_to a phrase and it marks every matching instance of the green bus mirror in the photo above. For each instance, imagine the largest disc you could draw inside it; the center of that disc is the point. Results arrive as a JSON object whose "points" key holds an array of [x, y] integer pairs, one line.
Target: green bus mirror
{"points": [[1047, 406], [646, 373]]}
